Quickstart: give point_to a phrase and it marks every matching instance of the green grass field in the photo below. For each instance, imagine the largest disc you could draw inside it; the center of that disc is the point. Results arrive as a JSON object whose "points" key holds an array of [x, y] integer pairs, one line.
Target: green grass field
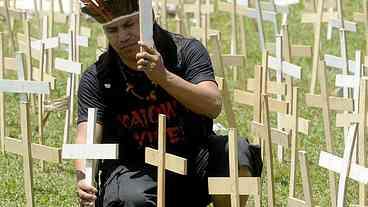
{"points": [[56, 185]]}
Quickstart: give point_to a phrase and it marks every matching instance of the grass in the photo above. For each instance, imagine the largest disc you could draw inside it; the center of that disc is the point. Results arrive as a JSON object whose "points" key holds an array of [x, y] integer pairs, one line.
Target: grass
{"points": [[56, 185]]}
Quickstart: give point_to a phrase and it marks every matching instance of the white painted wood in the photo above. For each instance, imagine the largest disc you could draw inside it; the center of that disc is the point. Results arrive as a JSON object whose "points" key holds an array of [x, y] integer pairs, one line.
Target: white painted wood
{"points": [[49, 43], [334, 163], [266, 15], [91, 128], [287, 68], [18, 86], [90, 151], [349, 26], [146, 22], [338, 62], [346, 81], [81, 40], [68, 66]]}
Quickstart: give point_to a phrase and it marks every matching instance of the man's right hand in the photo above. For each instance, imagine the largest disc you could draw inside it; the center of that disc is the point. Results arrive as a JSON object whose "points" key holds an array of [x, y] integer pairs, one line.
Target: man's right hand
{"points": [[86, 193]]}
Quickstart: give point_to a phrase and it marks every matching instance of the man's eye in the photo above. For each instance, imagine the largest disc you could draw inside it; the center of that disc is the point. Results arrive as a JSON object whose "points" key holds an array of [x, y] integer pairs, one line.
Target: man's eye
{"points": [[111, 30]]}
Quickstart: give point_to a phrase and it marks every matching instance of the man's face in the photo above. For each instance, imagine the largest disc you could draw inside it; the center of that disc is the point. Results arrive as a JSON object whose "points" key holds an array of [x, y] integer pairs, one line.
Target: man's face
{"points": [[123, 36]]}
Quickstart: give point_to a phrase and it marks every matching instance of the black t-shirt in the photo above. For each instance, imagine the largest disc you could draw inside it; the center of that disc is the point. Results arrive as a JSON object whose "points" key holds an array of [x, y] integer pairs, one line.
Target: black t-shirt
{"points": [[129, 103]]}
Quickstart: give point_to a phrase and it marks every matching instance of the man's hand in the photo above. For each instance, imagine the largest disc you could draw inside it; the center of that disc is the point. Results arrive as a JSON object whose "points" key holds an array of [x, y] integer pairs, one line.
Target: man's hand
{"points": [[86, 193], [151, 62]]}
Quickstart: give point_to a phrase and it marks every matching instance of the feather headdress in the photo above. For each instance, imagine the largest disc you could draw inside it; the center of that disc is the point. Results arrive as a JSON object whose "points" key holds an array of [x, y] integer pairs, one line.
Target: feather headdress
{"points": [[104, 11]]}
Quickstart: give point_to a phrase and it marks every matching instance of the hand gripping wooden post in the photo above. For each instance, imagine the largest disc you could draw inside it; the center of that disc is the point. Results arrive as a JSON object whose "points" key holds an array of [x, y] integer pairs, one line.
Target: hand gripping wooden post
{"points": [[146, 22], [234, 185], [91, 150], [24, 147], [164, 161]]}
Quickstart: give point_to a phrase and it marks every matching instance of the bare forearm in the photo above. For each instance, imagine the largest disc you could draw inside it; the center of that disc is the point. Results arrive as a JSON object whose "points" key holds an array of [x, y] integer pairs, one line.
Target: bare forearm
{"points": [[203, 98]]}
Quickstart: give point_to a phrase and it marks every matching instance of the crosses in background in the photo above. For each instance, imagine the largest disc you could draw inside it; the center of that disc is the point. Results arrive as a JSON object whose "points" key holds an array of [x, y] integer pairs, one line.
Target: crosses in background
{"points": [[24, 147]]}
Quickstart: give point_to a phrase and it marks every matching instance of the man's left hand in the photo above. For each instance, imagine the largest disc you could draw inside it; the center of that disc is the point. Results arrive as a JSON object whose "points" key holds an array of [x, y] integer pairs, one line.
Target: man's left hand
{"points": [[150, 61]]}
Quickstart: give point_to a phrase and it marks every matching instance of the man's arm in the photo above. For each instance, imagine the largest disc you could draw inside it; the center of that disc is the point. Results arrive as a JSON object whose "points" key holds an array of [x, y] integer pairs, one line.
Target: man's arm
{"points": [[203, 98], [86, 191]]}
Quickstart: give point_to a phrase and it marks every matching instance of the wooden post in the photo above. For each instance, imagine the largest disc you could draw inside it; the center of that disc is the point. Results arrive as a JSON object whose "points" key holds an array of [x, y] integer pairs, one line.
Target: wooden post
{"points": [[308, 200], [234, 185], [2, 97], [324, 102], [9, 28], [164, 161]]}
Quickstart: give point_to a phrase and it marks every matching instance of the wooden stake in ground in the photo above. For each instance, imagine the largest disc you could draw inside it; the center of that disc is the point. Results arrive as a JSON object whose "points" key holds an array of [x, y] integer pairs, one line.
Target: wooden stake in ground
{"points": [[234, 185], [308, 200], [264, 132], [344, 166], [91, 150], [23, 87], [328, 103], [164, 161]]}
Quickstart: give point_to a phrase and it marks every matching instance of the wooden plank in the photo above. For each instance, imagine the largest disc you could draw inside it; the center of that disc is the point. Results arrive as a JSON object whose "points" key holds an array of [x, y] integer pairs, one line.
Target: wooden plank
{"points": [[233, 60], [277, 136], [172, 162], [348, 25], [192, 8], [10, 63], [46, 77], [40, 152], [272, 87], [287, 68], [50, 43], [86, 31], [81, 40], [247, 98], [336, 103], [348, 81], [339, 63], [286, 122], [90, 151], [312, 17], [17, 86], [68, 66], [222, 186], [146, 20], [294, 202]]}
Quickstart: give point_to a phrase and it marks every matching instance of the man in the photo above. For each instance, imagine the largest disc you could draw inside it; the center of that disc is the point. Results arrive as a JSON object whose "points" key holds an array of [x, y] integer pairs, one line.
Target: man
{"points": [[131, 88]]}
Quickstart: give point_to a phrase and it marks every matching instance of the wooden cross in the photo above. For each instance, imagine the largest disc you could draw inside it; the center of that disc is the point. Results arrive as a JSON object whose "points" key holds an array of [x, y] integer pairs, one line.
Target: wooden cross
{"points": [[328, 103], [91, 150], [73, 69], [24, 147], [234, 185], [164, 161], [317, 19], [262, 129], [358, 116], [304, 169], [344, 166]]}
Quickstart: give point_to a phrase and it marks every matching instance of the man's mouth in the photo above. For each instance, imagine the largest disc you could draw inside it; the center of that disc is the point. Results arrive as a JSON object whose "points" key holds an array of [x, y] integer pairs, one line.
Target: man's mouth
{"points": [[127, 46]]}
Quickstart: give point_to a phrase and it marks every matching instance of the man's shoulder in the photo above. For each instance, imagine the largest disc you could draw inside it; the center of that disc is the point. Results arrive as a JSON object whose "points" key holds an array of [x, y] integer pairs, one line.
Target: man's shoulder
{"points": [[183, 41], [90, 74]]}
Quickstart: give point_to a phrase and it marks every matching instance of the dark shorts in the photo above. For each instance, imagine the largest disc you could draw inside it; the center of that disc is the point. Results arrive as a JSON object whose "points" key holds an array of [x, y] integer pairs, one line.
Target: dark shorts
{"points": [[131, 187]]}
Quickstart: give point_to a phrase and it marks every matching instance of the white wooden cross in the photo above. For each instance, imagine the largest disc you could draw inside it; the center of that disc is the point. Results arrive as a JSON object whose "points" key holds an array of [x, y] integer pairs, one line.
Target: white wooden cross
{"points": [[146, 22], [308, 199], [344, 166], [91, 150], [234, 185], [24, 147], [73, 69], [328, 103], [164, 161], [359, 116]]}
